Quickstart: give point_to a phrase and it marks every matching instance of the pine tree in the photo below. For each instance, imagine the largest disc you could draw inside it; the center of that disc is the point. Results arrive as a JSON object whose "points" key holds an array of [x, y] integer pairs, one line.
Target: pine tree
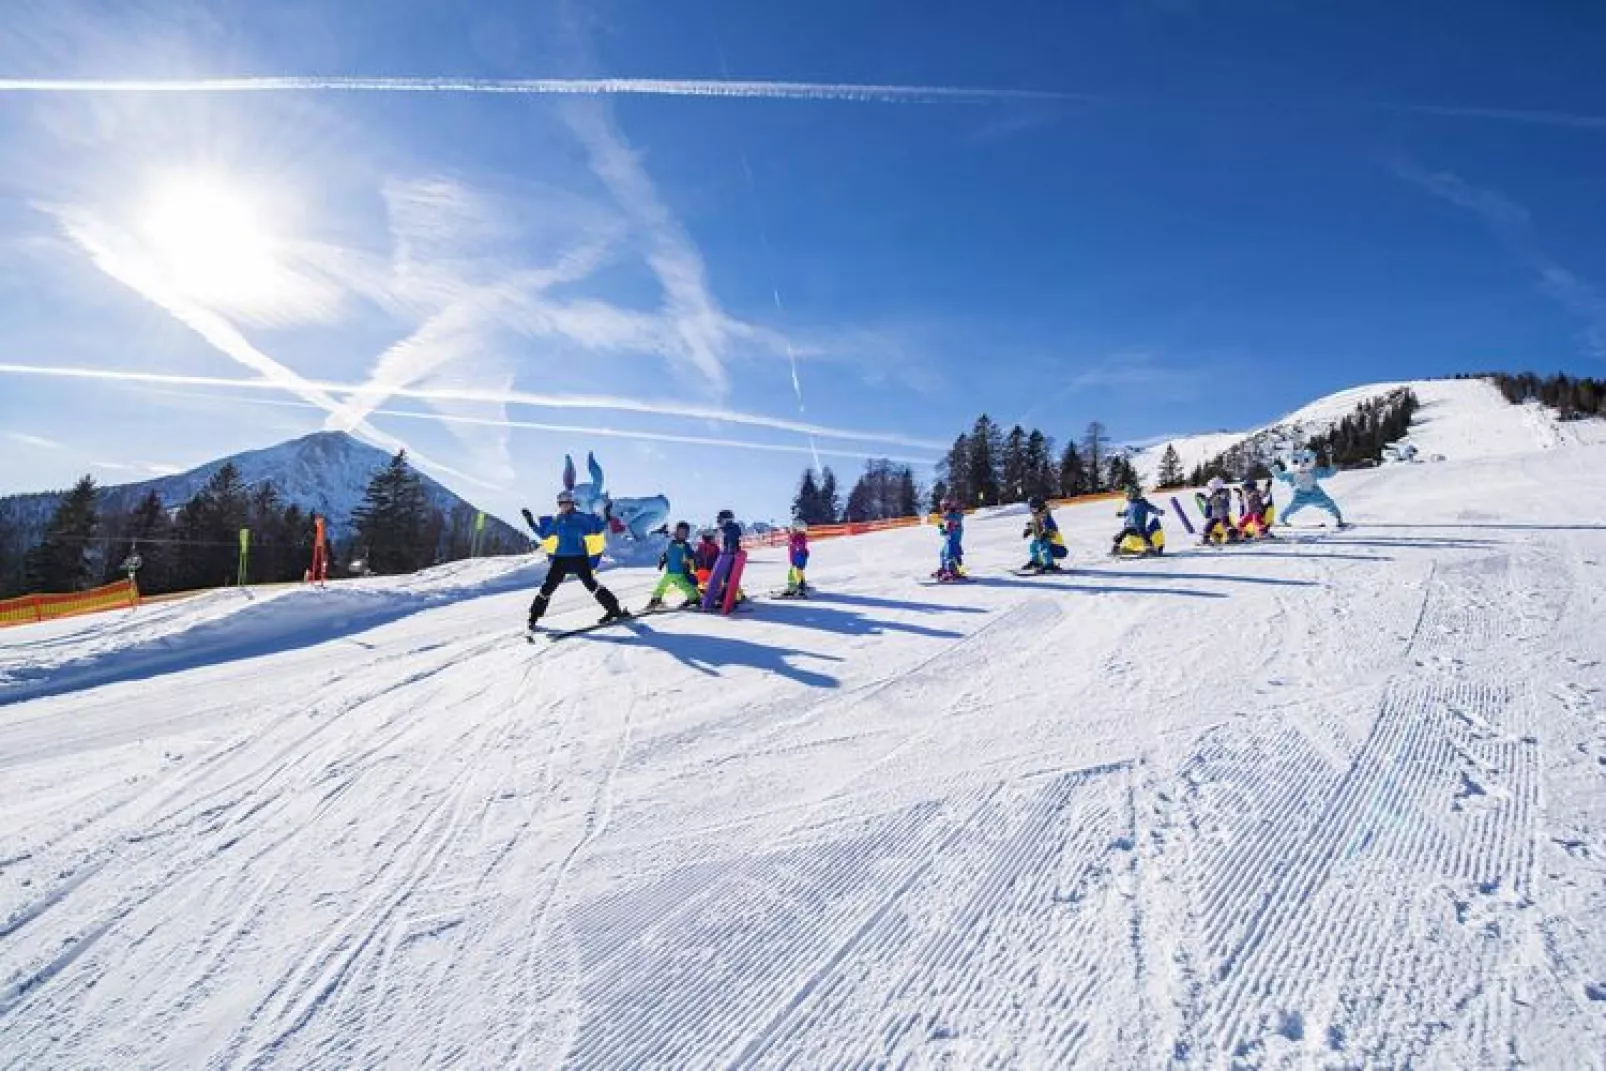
{"points": [[1072, 473], [1095, 443], [1170, 474], [149, 532], [907, 502], [830, 500], [1120, 474], [391, 520], [986, 446], [209, 531], [1041, 478], [63, 561], [1012, 466], [953, 473], [806, 505]]}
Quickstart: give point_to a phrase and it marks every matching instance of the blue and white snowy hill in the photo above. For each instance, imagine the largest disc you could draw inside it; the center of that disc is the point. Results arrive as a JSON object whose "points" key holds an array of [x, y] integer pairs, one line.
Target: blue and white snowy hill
{"points": [[1334, 801], [327, 471]]}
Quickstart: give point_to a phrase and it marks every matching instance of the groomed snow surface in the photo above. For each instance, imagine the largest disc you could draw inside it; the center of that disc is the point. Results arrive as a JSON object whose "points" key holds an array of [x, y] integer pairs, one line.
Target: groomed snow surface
{"points": [[1334, 802]]}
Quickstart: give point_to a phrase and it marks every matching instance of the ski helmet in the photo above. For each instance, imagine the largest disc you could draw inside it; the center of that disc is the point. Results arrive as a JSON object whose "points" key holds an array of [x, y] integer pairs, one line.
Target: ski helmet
{"points": [[1037, 503], [1133, 492], [1214, 485], [724, 516], [707, 533], [682, 529], [565, 498], [800, 526], [949, 504]]}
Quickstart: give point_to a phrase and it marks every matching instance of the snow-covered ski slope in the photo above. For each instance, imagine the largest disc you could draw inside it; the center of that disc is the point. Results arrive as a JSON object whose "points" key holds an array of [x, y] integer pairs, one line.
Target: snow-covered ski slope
{"points": [[1334, 802], [1460, 418]]}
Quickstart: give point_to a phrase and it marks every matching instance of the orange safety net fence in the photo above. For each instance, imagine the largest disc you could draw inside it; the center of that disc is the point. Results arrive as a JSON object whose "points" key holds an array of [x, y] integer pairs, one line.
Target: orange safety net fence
{"points": [[28, 609]]}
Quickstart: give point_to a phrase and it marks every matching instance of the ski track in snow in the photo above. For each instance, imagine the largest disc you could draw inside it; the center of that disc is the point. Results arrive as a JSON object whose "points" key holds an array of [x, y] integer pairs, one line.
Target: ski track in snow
{"points": [[1344, 810]]}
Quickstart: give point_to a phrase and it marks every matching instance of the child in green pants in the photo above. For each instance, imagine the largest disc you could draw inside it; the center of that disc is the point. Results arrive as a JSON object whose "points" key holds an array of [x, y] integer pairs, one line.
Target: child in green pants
{"points": [[679, 568]]}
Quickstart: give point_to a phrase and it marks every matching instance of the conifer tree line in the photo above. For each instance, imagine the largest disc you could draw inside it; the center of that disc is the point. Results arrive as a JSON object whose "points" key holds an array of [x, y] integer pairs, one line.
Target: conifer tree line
{"points": [[197, 544], [1573, 397], [987, 466]]}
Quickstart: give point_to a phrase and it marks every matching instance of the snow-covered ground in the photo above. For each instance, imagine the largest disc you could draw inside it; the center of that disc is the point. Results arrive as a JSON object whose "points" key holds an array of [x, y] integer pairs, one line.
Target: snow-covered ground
{"points": [[1338, 801], [1459, 418]]}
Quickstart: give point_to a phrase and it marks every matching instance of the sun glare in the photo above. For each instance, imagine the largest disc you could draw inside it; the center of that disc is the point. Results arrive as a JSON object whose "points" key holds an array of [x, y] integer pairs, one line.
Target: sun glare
{"points": [[212, 242]]}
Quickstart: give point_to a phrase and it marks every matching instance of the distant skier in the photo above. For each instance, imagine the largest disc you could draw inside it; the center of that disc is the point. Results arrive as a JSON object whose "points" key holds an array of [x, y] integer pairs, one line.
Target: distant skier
{"points": [[1047, 543], [680, 571], [1218, 513], [565, 537], [797, 556], [1140, 519], [951, 523], [1303, 475], [705, 555]]}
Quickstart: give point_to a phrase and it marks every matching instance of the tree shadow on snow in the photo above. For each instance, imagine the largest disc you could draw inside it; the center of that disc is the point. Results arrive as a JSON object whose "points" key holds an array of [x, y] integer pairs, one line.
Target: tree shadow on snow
{"points": [[892, 604], [1502, 527], [708, 654], [1419, 543], [804, 614], [1056, 584], [1289, 553]]}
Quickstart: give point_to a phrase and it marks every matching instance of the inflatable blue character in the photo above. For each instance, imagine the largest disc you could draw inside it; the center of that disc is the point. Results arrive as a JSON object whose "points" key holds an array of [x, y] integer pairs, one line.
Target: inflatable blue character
{"points": [[1303, 474]]}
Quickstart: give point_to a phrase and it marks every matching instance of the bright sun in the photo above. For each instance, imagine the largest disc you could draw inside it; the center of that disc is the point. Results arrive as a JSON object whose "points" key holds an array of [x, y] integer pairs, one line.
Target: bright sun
{"points": [[212, 242]]}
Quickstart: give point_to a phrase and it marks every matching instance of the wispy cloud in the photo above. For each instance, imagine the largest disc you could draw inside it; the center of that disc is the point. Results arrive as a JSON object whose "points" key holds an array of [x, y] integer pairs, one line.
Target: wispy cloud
{"points": [[33, 440], [1512, 226], [1531, 117], [493, 395], [583, 87]]}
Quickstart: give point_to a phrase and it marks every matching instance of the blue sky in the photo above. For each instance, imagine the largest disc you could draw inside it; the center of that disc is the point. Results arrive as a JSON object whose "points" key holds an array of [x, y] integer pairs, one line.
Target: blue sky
{"points": [[1170, 216]]}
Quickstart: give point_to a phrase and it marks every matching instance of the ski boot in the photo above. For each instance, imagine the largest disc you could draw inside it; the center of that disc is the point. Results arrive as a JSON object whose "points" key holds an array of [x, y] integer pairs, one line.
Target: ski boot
{"points": [[611, 616], [653, 604]]}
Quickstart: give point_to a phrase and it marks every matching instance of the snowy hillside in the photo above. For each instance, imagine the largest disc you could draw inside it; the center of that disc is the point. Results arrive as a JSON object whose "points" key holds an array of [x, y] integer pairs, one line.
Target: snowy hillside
{"points": [[1460, 419], [327, 471], [1336, 801]]}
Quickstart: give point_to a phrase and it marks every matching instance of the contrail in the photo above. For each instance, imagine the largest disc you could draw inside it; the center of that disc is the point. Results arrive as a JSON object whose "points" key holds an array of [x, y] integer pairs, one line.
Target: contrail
{"points": [[564, 429], [585, 87], [503, 397]]}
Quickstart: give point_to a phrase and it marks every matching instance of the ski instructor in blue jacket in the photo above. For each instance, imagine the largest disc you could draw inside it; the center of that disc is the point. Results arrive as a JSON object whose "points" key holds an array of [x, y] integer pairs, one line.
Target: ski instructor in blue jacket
{"points": [[565, 537]]}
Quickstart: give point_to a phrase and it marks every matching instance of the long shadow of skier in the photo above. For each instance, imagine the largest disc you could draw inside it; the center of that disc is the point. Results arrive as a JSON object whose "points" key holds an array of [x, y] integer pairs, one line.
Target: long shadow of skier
{"points": [[844, 622], [1502, 527], [1054, 583], [1319, 557], [874, 603], [1235, 578], [708, 654]]}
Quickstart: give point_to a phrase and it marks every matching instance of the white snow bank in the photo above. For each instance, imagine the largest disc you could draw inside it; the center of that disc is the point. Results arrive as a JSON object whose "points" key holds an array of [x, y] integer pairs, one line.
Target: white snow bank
{"points": [[233, 623]]}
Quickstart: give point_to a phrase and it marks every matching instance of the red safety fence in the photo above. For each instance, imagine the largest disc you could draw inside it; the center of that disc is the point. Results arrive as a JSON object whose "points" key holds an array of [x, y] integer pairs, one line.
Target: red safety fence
{"points": [[777, 537], [31, 608]]}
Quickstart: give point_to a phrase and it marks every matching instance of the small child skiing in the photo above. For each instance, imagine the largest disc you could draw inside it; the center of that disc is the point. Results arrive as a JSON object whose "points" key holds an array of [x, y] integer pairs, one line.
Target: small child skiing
{"points": [[1218, 513], [680, 571], [797, 556], [1303, 476], [1047, 543], [566, 538], [1252, 505], [951, 524], [704, 556], [730, 534], [1140, 519]]}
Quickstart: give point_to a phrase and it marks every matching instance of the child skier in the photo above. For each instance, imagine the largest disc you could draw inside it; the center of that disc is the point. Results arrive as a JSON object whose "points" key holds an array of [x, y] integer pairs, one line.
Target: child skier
{"points": [[1307, 491], [1252, 511], [680, 571], [566, 534], [704, 557], [730, 535], [797, 555], [1140, 518], [1218, 513], [951, 523], [1047, 543]]}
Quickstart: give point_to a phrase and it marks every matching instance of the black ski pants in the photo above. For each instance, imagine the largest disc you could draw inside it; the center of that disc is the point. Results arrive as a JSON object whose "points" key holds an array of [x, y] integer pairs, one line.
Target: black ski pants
{"points": [[561, 567]]}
